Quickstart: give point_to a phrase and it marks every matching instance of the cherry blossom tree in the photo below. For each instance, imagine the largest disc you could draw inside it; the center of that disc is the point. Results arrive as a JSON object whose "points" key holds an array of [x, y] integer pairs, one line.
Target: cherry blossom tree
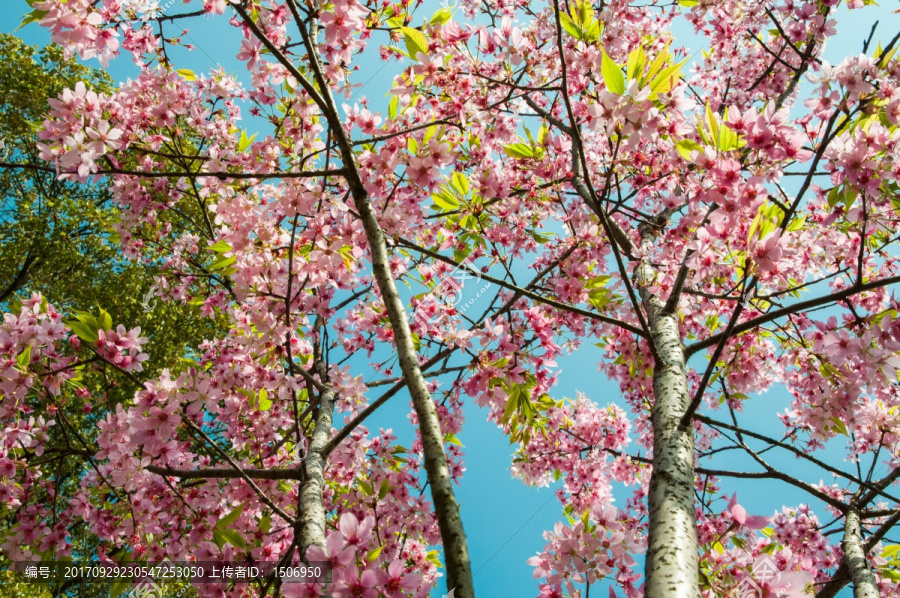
{"points": [[716, 232]]}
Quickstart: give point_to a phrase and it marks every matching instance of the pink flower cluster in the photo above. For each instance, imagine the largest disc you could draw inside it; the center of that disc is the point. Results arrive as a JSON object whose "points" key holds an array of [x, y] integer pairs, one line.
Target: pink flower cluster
{"points": [[123, 348]]}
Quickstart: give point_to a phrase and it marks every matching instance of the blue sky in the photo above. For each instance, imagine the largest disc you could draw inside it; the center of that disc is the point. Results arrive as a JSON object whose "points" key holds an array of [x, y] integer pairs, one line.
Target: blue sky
{"points": [[503, 518]]}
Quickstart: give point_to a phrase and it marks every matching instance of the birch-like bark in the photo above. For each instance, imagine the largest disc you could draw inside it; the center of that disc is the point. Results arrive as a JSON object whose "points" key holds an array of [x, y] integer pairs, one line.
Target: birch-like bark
{"points": [[453, 537], [864, 584], [312, 489], [842, 575], [456, 552], [672, 569]]}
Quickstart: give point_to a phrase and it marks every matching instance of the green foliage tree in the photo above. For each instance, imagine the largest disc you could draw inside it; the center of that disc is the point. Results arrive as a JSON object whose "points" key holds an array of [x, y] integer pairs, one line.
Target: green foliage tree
{"points": [[57, 238]]}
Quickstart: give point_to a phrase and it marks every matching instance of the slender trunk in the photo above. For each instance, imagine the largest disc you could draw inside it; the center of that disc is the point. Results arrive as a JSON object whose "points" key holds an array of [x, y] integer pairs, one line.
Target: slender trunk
{"points": [[456, 552], [312, 507], [311, 501], [672, 569], [453, 537], [842, 576], [864, 584]]}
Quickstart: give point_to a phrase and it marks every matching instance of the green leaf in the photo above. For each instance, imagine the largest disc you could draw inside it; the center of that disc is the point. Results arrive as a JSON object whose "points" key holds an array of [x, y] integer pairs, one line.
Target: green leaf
{"points": [[221, 536], [84, 331], [665, 81], [612, 75], [23, 359], [657, 63], [415, 41], [220, 247], [222, 264], [839, 427], [584, 13], [598, 281], [598, 294], [452, 439], [886, 58], [366, 488], [265, 524], [834, 195], [383, 489], [32, 17], [635, 65], [519, 150], [245, 141], [445, 202], [599, 298], [119, 587], [469, 222], [394, 106], [754, 226], [113, 236], [518, 407], [889, 573], [592, 32], [511, 404], [713, 123], [373, 554], [727, 139], [569, 25], [88, 318], [582, 25], [797, 224], [188, 74], [460, 183], [686, 146], [231, 517], [441, 16], [105, 319], [264, 403]]}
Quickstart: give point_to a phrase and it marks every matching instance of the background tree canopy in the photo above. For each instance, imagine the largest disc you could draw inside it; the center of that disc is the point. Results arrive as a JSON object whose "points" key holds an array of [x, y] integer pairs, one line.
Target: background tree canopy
{"points": [[714, 229], [57, 239]]}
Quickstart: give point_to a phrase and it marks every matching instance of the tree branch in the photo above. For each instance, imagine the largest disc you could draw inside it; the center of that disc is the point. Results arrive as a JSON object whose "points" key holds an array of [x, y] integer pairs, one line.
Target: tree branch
{"points": [[204, 473], [793, 309]]}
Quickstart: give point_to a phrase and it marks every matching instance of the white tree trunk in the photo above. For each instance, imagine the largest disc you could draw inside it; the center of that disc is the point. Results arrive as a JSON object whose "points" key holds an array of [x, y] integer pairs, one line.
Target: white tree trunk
{"points": [[672, 568], [456, 552], [312, 488], [864, 584], [453, 538]]}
